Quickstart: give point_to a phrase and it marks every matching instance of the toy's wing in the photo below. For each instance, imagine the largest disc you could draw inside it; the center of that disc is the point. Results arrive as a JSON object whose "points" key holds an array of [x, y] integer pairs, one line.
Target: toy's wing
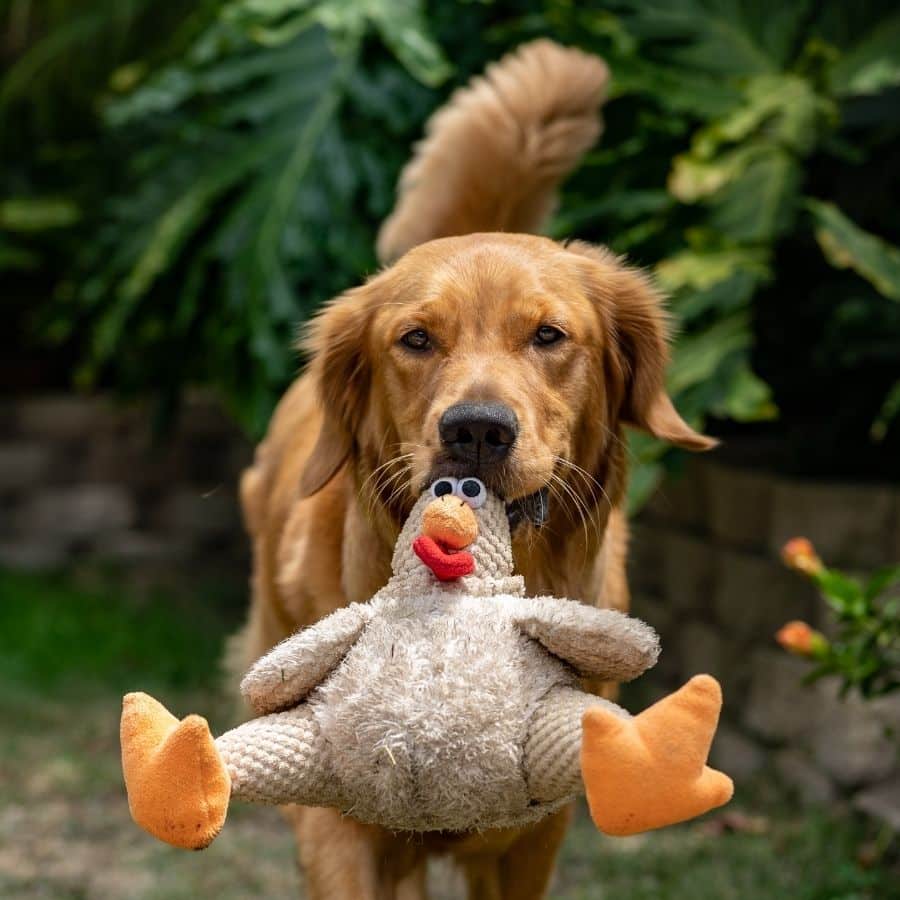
{"points": [[600, 643], [291, 669]]}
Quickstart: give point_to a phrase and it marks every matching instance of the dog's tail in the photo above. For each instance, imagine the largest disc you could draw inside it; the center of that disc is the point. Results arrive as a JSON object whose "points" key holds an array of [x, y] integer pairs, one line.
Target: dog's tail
{"points": [[494, 155]]}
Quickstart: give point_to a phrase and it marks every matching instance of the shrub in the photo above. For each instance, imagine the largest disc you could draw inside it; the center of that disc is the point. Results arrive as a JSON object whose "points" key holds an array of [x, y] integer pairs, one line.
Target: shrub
{"points": [[864, 650]]}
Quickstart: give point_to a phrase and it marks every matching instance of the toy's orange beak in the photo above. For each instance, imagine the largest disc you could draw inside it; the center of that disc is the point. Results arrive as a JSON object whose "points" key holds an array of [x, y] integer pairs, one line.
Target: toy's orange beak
{"points": [[450, 521], [448, 525]]}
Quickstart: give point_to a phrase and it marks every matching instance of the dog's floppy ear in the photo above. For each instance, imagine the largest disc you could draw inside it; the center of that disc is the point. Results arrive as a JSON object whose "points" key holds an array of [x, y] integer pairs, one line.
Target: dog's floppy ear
{"points": [[639, 351], [336, 340]]}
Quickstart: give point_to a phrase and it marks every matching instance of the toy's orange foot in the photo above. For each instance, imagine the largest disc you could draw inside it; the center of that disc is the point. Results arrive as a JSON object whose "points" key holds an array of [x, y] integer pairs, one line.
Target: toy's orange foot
{"points": [[178, 786], [651, 771]]}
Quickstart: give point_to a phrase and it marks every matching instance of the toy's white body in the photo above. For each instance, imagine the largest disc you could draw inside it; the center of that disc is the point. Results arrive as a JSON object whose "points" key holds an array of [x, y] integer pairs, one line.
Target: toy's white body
{"points": [[429, 713], [434, 706]]}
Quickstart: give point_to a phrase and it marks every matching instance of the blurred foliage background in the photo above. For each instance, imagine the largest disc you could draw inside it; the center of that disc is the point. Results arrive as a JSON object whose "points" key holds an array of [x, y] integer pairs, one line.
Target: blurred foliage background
{"points": [[183, 183]]}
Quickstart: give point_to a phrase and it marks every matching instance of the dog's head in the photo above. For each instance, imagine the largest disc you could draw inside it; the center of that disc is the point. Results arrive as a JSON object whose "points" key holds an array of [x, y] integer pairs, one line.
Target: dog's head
{"points": [[509, 357]]}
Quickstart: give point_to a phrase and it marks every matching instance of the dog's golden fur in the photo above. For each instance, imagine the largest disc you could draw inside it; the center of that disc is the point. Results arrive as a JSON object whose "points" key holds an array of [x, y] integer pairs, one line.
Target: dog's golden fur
{"points": [[355, 438]]}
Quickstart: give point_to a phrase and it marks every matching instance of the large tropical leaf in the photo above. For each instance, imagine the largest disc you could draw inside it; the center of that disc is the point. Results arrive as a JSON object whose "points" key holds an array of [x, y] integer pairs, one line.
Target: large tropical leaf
{"points": [[713, 279], [760, 205], [727, 38], [247, 183], [872, 63], [847, 246]]}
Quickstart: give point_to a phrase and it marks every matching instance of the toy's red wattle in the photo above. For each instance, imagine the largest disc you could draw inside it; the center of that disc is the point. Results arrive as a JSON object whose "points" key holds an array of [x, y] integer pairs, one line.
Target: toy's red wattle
{"points": [[446, 565]]}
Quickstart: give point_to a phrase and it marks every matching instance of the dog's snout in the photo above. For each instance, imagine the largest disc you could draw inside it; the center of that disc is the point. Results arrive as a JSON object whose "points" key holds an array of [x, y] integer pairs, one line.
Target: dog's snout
{"points": [[480, 433]]}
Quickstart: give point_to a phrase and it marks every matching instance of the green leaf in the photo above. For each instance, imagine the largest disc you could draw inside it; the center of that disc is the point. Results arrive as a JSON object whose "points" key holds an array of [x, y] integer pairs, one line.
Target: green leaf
{"points": [[872, 64], [404, 29], [689, 92], [693, 177], [716, 36], [749, 398], [847, 246], [12, 257], [179, 220], [702, 269], [762, 204], [890, 410], [698, 356], [56, 44], [881, 581], [642, 484], [33, 214], [844, 594], [783, 109]]}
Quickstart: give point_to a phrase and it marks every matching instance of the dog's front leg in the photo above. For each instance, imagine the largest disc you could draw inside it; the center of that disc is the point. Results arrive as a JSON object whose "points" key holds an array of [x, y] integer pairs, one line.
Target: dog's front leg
{"points": [[343, 859]]}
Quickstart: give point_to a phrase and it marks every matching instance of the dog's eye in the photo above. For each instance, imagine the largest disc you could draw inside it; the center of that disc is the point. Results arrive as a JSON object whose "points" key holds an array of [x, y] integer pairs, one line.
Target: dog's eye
{"points": [[547, 335], [444, 486], [472, 491], [417, 339]]}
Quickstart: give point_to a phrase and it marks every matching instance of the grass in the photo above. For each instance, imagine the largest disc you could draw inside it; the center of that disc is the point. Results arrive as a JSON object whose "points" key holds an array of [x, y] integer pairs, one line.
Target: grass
{"points": [[801, 856], [52, 632], [68, 653]]}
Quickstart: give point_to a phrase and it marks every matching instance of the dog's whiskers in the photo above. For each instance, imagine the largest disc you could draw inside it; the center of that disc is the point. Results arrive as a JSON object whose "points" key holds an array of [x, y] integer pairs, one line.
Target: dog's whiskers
{"points": [[577, 502], [589, 480], [381, 477], [590, 483], [398, 490]]}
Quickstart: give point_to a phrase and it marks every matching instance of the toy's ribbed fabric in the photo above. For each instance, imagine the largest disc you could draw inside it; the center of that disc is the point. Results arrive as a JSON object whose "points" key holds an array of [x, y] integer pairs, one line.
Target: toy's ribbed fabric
{"points": [[279, 759], [492, 553], [553, 746]]}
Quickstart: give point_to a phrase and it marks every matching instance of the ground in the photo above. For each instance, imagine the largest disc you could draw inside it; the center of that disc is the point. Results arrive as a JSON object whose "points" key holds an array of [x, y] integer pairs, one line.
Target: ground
{"points": [[66, 656]]}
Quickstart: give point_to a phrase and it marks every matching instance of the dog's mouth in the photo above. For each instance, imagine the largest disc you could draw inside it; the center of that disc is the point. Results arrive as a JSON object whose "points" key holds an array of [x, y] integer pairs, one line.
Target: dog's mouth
{"points": [[533, 508]]}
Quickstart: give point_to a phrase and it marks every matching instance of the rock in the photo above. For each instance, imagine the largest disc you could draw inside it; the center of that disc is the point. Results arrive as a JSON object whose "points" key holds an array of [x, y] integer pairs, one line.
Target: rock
{"points": [[736, 754], [740, 505], [645, 556], [755, 596], [688, 573], [654, 612], [780, 707], [240, 455], [800, 775], [61, 416], [198, 515], [82, 511], [701, 649], [37, 554], [851, 742], [134, 460], [23, 464], [682, 497], [203, 416], [887, 710], [132, 547], [881, 801], [849, 525]]}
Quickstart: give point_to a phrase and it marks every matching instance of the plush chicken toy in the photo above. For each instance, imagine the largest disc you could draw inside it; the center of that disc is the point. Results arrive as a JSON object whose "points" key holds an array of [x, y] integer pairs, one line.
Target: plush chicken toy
{"points": [[449, 701]]}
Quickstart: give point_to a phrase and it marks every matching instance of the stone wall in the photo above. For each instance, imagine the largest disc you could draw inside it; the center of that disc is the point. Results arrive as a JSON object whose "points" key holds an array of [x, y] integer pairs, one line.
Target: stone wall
{"points": [[705, 571], [83, 481]]}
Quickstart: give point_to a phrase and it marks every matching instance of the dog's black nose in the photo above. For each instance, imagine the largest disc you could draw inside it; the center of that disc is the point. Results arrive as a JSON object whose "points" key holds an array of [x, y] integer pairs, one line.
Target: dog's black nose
{"points": [[480, 433]]}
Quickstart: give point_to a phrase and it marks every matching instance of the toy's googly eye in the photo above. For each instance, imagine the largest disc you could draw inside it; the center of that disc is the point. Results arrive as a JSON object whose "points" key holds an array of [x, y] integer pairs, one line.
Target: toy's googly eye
{"points": [[444, 486], [472, 491]]}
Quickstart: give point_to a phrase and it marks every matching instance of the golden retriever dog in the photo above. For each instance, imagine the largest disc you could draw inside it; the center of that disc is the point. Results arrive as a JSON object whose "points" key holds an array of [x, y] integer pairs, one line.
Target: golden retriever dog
{"points": [[483, 349]]}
